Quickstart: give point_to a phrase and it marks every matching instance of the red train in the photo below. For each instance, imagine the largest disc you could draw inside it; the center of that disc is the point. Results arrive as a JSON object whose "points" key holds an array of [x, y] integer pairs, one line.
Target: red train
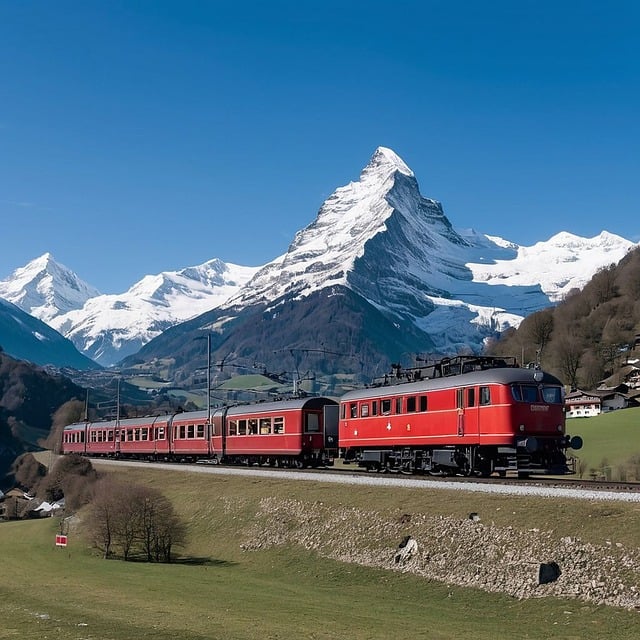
{"points": [[299, 432], [467, 415]]}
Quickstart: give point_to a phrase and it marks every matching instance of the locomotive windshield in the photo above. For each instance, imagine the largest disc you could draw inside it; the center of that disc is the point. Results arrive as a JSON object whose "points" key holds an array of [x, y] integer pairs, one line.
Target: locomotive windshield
{"points": [[531, 393], [553, 395]]}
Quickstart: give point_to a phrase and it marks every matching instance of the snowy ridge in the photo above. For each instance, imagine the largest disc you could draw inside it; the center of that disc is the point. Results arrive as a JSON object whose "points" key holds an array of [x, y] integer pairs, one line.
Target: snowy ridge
{"points": [[110, 327], [559, 265]]}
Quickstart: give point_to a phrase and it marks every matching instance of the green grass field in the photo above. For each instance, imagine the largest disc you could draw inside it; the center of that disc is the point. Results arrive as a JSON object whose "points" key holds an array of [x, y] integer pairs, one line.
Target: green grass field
{"points": [[219, 590], [613, 438]]}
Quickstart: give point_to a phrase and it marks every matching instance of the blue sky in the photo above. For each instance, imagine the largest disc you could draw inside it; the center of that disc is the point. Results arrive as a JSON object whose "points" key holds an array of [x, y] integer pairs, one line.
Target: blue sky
{"points": [[142, 136]]}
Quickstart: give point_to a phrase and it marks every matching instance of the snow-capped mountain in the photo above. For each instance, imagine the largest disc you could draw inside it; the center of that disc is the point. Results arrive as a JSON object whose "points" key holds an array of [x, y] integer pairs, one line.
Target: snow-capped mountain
{"points": [[386, 242], [109, 327], [45, 288], [562, 263]]}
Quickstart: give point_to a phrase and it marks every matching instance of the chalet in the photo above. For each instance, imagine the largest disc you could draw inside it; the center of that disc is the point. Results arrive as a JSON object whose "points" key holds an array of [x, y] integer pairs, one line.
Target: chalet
{"points": [[581, 404]]}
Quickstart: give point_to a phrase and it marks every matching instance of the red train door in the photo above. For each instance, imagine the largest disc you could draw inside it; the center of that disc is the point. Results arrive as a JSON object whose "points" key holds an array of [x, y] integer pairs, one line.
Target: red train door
{"points": [[471, 417], [468, 423]]}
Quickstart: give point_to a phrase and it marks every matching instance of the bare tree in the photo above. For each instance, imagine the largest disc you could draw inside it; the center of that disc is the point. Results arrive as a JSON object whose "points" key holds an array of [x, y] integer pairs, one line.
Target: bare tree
{"points": [[104, 512], [568, 353], [537, 328], [137, 521]]}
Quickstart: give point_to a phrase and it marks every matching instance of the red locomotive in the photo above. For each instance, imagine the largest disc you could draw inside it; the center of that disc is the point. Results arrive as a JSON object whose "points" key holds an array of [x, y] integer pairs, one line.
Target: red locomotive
{"points": [[469, 415], [466, 415]]}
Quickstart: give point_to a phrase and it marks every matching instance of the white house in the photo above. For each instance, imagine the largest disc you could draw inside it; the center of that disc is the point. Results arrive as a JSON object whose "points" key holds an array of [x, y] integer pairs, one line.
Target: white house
{"points": [[579, 404]]}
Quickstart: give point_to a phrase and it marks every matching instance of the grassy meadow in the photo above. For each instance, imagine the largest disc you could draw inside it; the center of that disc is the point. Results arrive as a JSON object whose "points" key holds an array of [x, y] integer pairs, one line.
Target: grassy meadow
{"points": [[611, 440], [219, 590]]}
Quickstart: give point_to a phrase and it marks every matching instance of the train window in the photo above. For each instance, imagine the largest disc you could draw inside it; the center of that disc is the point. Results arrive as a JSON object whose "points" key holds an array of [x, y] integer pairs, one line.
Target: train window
{"points": [[200, 431], [374, 408], [160, 433], [525, 392], [386, 407], [364, 410], [343, 411], [278, 425], [145, 433], [552, 395], [485, 395], [353, 410], [265, 426], [183, 431], [423, 403], [242, 427], [233, 427], [191, 431], [471, 397], [312, 422], [92, 437], [252, 426], [459, 398], [398, 405], [411, 404]]}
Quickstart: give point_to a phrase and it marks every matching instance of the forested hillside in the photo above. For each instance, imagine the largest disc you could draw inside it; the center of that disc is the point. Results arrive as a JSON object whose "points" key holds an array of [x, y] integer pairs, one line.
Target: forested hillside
{"points": [[590, 334], [29, 398]]}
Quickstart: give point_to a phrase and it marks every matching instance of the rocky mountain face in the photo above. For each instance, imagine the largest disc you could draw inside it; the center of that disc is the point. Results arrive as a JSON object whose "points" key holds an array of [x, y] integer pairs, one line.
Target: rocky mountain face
{"points": [[27, 338], [378, 252]]}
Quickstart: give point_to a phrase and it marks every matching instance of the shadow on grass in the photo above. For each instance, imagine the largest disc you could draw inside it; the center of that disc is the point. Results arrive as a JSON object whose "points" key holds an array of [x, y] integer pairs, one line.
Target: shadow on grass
{"points": [[207, 562], [184, 560]]}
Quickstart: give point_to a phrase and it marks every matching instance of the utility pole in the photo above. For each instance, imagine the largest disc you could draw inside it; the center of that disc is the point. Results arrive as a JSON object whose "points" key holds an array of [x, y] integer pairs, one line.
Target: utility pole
{"points": [[209, 378]]}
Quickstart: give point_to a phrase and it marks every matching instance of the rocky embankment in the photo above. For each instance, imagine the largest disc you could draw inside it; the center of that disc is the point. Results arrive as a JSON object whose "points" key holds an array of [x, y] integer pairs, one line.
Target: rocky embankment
{"points": [[468, 552]]}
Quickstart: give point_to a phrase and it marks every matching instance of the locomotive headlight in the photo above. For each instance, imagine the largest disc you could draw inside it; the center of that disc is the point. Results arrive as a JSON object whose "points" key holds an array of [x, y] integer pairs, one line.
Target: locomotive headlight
{"points": [[538, 375], [521, 427]]}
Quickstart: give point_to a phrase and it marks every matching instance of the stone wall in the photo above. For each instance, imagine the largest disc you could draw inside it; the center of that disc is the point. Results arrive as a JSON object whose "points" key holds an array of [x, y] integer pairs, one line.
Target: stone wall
{"points": [[467, 552]]}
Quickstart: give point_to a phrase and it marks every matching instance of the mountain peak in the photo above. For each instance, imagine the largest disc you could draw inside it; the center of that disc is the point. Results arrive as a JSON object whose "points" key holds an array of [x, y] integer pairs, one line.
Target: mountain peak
{"points": [[44, 288], [385, 161]]}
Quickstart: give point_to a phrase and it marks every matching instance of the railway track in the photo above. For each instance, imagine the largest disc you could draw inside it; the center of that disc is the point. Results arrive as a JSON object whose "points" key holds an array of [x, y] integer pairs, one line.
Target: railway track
{"points": [[540, 486]]}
